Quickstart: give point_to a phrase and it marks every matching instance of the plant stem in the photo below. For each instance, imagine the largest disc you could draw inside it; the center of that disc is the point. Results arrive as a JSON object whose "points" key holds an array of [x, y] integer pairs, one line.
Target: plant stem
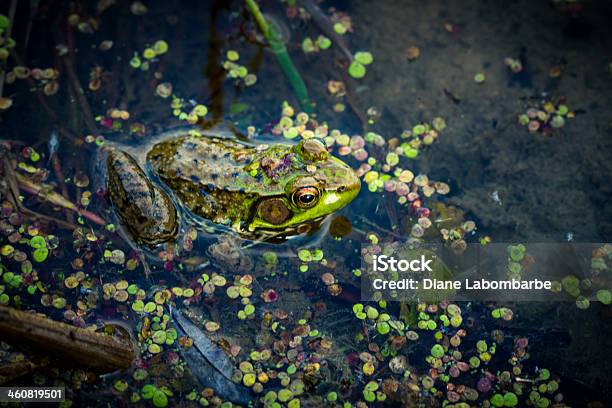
{"points": [[282, 56], [50, 112], [59, 174], [259, 18], [56, 199]]}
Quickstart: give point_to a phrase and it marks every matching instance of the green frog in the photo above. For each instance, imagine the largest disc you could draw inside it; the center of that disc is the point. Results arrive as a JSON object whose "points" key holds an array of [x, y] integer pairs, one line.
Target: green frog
{"points": [[261, 191]]}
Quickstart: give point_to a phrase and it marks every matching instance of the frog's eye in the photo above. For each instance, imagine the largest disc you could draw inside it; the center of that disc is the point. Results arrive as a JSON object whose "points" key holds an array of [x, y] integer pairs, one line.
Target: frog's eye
{"points": [[305, 197]]}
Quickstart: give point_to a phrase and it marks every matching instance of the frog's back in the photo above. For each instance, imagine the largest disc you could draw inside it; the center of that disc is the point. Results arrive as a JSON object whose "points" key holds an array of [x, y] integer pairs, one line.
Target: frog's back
{"points": [[199, 159], [207, 173]]}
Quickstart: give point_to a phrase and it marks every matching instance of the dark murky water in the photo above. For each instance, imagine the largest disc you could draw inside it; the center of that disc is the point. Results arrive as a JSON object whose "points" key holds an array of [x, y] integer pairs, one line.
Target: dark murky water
{"points": [[517, 186]]}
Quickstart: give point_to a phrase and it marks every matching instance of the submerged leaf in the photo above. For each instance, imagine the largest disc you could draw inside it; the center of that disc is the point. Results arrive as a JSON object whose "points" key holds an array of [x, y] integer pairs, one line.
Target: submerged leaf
{"points": [[208, 362]]}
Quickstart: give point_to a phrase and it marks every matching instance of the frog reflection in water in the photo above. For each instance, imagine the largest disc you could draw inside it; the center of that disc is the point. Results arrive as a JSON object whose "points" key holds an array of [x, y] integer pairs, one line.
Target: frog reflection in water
{"points": [[260, 191]]}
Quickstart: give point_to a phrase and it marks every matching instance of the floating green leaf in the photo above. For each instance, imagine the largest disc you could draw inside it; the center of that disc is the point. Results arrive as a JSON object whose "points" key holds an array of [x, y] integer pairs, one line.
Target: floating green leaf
{"points": [[364, 57], [40, 254], [357, 70]]}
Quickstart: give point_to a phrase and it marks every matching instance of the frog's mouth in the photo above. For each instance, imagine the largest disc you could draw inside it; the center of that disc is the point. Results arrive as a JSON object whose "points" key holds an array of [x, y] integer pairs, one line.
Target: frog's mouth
{"points": [[281, 235]]}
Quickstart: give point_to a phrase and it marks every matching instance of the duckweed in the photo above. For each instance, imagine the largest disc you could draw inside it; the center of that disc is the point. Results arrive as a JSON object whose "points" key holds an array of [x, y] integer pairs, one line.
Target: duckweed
{"points": [[285, 395], [357, 68], [160, 399], [437, 351], [604, 296]]}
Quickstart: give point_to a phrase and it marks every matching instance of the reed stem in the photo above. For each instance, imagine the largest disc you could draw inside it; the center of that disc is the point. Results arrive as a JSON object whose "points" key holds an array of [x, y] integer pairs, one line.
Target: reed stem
{"points": [[282, 56]]}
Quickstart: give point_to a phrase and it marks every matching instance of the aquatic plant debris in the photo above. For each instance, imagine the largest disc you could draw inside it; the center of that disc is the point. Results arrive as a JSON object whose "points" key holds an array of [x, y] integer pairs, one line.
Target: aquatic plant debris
{"points": [[237, 71], [149, 55], [545, 116]]}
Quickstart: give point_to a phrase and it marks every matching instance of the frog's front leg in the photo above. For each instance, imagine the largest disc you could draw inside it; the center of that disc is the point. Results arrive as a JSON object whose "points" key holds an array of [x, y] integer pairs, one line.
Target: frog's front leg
{"points": [[144, 209]]}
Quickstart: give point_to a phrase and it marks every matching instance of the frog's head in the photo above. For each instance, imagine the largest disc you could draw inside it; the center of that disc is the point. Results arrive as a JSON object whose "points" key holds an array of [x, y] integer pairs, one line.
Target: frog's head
{"points": [[312, 183]]}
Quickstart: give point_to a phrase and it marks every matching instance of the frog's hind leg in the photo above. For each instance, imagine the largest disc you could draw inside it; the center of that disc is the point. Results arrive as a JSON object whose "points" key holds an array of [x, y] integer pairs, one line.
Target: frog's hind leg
{"points": [[145, 210]]}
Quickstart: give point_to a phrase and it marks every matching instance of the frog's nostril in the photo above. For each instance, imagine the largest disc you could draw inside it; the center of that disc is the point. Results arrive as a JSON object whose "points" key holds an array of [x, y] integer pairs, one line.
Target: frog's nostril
{"points": [[341, 189]]}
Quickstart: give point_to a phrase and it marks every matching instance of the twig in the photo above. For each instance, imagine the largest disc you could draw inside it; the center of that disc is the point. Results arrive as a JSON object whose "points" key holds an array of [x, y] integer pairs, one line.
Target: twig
{"points": [[78, 90], [59, 174], [325, 25], [7, 35], [378, 227], [60, 223], [214, 70], [13, 197], [322, 21], [73, 79], [26, 39], [82, 347], [50, 112], [75, 117], [391, 211], [44, 191], [122, 32], [143, 260], [12, 185]]}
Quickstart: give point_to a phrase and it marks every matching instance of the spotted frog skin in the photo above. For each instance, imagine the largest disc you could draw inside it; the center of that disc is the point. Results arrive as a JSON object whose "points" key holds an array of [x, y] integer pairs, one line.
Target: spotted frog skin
{"points": [[260, 191]]}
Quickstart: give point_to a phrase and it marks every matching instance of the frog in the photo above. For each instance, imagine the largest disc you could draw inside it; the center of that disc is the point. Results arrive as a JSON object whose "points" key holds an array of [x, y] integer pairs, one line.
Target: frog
{"points": [[260, 191]]}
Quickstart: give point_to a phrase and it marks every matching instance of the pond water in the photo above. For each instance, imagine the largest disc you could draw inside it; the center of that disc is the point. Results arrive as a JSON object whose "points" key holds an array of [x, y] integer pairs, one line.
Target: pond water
{"points": [[469, 123]]}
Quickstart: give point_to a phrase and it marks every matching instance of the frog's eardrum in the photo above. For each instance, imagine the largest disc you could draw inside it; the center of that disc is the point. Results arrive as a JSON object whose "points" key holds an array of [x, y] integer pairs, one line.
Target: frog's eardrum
{"points": [[274, 210]]}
